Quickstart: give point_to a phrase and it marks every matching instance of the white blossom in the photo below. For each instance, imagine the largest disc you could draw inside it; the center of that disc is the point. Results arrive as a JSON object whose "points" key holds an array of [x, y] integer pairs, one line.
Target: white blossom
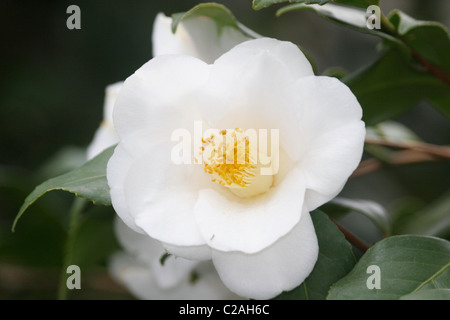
{"points": [[141, 269], [261, 242]]}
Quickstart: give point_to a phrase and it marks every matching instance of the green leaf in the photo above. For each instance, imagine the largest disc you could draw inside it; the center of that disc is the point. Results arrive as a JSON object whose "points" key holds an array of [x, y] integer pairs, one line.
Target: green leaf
{"points": [[439, 280], [407, 264], [335, 260], [436, 287], [372, 210], [435, 294], [390, 86], [88, 182], [222, 16], [433, 220], [358, 3], [260, 4], [430, 39], [355, 18], [429, 43], [406, 73]]}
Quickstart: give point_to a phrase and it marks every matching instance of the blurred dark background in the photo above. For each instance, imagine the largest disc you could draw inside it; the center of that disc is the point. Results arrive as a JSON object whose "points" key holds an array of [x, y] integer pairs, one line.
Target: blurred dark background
{"points": [[52, 83]]}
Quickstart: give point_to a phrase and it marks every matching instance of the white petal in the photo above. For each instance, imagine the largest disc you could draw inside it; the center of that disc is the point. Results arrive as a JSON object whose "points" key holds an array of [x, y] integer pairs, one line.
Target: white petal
{"points": [[150, 251], [229, 223], [105, 136], [139, 245], [111, 93], [160, 96], [331, 136], [153, 195], [280, 267], [173, 272], [190, 252], [131, 148], [141, 280], [198, 37], [289, 56], [250, 88], [161, 196]]}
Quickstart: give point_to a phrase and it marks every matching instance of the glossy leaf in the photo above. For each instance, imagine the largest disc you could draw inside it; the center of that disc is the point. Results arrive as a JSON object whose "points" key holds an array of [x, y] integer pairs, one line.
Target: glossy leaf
{"points": [[423, 45], [391, 86], [355, 18], [407, 264], [435, 294], [88, 182], [430, 39], [260, 4], [335, 260]]}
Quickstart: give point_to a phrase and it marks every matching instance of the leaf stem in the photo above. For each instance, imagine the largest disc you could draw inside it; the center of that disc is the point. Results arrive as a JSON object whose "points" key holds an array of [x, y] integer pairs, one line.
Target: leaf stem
{"points": [[352, 238], [390, 29], [387, 26], [74, 223]]}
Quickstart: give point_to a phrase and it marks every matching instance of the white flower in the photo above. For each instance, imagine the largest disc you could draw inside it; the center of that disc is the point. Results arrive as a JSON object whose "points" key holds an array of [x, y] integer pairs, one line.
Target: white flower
{"points": [[140, 270], [138, 267], [196, 36], [263, 244], [106, 135]]}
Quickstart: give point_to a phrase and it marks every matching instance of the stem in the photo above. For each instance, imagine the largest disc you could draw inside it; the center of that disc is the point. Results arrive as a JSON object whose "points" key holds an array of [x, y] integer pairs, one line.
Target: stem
{"points": [[411, 153], [352, 238], [387, 26], [74, 223], [390, 29], [398, 158], [430, 149], [438, 73]]}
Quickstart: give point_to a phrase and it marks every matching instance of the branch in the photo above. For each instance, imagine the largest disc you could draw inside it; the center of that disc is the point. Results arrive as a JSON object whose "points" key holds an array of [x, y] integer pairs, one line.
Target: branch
{"points": [[74, 223], [398, 158], [352, 238], [430, 149], [438, 73]]}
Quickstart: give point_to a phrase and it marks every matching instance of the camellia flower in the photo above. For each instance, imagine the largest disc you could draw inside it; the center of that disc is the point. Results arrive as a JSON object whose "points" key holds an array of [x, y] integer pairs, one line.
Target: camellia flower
{"points": [[140, 269], [255, 227]]}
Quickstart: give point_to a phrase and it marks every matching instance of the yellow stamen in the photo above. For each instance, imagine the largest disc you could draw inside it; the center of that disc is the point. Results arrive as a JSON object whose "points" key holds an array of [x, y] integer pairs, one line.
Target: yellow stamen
{"points": [[228, 158]]}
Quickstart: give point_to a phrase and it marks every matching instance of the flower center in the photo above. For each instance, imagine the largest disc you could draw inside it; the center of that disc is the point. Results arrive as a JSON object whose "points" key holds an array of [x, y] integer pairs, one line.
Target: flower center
{"points": [[232, 159]]}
